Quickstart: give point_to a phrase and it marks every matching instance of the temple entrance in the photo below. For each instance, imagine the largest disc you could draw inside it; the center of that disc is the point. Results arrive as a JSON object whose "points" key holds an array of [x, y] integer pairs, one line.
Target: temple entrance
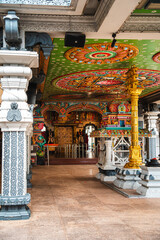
{"points": [[68, 136]]}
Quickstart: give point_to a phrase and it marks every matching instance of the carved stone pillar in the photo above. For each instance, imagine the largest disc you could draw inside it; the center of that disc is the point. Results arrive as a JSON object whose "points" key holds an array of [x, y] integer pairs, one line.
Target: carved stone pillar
{"points": [[15, 121], [107, 167], [108, 158], [152, 142]]}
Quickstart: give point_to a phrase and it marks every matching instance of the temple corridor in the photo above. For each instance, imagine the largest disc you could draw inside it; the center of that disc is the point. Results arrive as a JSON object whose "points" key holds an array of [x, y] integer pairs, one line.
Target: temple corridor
{"points": [[69, 203]]}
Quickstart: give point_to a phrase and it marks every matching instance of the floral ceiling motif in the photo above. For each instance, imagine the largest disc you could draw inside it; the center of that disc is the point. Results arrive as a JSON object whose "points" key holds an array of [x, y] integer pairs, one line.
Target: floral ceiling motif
{"points": [[112, 81], [58, 87], [101, 53]]}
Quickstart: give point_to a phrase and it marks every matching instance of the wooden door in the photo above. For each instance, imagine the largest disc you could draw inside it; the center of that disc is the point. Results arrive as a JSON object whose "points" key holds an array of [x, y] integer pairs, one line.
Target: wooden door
{"points": [[65, 135]]}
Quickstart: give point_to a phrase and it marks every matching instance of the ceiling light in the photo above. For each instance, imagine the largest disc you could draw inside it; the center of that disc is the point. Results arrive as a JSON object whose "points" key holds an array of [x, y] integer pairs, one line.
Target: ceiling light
{"points": [[114, 40]]}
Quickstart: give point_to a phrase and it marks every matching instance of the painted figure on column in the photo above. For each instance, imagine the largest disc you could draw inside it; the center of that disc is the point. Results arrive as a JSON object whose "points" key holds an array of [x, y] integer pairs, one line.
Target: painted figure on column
{"points": [[41, 150]]}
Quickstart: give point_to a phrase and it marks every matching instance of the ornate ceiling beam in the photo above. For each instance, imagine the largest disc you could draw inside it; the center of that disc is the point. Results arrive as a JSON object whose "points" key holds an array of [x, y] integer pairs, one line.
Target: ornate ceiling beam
{"points": [[137, 23], [54, 21]]}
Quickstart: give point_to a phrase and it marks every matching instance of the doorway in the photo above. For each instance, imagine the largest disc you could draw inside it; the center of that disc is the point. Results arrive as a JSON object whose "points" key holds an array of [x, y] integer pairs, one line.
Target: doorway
{"points": [[91, 143]]}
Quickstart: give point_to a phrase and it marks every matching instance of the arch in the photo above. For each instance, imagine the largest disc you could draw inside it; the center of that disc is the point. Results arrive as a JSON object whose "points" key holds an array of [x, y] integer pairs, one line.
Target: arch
{"points": [[50, 107], [88, 124], [84, 107]]}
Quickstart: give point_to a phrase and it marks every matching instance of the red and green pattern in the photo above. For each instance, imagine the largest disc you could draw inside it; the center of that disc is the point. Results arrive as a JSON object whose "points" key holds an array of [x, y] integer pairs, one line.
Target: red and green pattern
{"points": [[111, 81], [101, 53], [118, 133]]}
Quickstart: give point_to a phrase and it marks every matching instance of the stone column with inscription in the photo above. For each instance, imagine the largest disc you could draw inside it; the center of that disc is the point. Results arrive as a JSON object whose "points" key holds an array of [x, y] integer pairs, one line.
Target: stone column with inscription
{"points": [[15, 121]]}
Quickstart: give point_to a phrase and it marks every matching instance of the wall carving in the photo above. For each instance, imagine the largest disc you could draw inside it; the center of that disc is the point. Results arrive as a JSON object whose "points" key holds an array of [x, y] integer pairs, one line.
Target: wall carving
{"points": [[14, 115]]}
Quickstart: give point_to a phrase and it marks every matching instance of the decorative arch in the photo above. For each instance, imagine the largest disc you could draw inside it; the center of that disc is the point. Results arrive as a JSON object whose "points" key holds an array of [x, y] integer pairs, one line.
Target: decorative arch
{"points": [[50, 107], [85, 107]]}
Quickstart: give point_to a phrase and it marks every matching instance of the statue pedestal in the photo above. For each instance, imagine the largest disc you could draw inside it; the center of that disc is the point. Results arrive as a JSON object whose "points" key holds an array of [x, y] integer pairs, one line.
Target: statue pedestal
{"points": [[150, 182], [127, 178]]}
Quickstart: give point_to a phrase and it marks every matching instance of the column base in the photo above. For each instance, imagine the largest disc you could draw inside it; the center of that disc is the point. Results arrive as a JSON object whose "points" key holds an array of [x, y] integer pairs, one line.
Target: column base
{"points": [[150, 182], [21, 212], [106, 173], [98, 175], [127, 178], [109, 178]]}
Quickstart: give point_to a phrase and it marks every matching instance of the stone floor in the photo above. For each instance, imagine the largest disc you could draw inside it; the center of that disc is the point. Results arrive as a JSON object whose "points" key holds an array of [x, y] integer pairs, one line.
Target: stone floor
{"points": [[69, 203]]}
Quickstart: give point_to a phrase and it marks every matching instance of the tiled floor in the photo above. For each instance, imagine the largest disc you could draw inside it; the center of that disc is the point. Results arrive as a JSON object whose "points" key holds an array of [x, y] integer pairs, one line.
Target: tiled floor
{"points": [[69, 203]]}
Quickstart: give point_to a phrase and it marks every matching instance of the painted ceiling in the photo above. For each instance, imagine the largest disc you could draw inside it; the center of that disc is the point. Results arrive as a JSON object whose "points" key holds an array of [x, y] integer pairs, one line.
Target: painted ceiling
{"points": [[97, 71]]}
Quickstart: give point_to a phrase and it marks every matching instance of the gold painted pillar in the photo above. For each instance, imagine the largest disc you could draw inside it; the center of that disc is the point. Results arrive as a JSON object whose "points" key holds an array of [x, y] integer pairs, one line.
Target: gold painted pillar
{"points": [[134, 89]]}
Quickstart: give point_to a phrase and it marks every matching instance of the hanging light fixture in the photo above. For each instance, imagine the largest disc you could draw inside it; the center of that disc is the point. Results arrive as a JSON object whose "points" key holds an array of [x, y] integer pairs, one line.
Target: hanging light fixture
{"points": [[114, 40]]}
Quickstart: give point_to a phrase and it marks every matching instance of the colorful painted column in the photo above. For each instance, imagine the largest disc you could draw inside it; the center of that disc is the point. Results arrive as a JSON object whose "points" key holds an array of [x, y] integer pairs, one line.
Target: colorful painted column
{"points": [[135, 159], [16, 120], [127, 178]]}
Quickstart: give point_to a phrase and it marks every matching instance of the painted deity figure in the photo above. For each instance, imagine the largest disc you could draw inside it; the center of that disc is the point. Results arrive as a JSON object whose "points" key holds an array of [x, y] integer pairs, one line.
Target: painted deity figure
{"points": [[51, 137]]}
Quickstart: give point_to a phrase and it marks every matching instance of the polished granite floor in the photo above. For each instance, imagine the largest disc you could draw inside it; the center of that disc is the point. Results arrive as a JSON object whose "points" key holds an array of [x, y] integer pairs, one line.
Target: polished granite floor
{"points": [[69, 203]]}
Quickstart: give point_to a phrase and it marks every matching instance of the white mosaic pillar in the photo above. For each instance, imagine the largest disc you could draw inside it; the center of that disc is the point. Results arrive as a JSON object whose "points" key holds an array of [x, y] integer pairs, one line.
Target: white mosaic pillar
{"points": [[152, 142], [107, 167], [15, 121]]}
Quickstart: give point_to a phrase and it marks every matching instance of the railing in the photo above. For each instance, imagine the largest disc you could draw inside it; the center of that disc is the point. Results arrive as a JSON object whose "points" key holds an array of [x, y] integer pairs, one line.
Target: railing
{"points": [[75, 151], [119, 152]]}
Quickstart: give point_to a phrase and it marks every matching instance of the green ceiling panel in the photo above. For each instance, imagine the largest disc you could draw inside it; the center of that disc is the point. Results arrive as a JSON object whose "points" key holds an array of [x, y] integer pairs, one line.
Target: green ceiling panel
{"points": [[59, 65]]}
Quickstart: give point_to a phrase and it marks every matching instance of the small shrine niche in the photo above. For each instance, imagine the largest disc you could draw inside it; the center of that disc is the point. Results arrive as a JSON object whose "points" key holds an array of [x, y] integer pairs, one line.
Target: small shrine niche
{"points": [[121, 109], [119, 115]]}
